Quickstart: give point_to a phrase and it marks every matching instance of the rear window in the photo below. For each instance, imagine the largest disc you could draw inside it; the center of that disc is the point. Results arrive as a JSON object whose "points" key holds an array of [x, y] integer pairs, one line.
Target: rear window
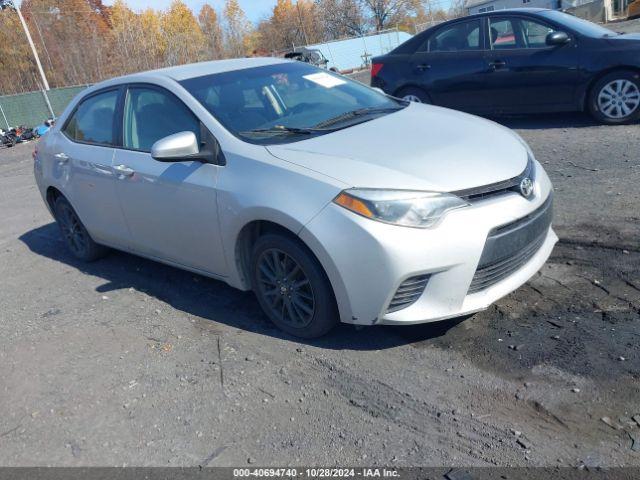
{"points": [[93, 120]]}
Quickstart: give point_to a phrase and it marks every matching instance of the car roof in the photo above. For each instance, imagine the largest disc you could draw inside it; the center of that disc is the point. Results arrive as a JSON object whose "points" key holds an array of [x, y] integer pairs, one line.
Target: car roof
{"points": [[193, 70]]}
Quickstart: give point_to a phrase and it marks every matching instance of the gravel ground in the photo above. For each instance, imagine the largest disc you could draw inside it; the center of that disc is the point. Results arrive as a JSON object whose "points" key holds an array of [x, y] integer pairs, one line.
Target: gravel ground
{"points": [[125, 361], [628, 26]]}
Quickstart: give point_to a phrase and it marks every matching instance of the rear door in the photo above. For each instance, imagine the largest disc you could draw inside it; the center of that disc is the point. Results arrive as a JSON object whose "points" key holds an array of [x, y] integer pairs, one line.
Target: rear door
{"points": [[450, 66], [82, 153], [526, 74], [171, 208]]}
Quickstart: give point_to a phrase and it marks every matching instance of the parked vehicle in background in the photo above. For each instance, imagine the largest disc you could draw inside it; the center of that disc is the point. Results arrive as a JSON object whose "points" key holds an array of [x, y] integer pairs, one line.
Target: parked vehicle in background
{"points": [[518, 61], [308, 55], [328, 199], [633, 9]]}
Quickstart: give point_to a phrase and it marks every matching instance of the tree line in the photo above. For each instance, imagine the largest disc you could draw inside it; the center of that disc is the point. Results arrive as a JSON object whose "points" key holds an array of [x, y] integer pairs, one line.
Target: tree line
{"points": [[84, 41]]}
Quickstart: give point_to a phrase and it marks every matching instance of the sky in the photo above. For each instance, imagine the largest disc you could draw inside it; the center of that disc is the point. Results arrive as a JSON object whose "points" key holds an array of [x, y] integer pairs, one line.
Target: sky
{"points": [[255, 9]]}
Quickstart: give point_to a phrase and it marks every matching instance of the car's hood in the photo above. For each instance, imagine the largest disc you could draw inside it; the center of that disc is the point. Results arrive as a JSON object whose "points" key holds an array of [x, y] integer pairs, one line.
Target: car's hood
{"points": [[421, 147]]}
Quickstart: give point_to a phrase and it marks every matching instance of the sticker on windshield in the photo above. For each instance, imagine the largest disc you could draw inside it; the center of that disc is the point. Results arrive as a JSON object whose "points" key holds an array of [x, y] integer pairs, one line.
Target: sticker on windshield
{"points": [[325, 80]]}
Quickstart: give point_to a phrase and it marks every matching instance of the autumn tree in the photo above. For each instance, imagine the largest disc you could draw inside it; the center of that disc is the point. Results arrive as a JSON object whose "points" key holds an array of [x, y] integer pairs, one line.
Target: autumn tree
{"points": [[310, 21], [17, 70], [340, 18], [388, 13], [64, 31], [237, 30], [210, 25], [184, 37]]}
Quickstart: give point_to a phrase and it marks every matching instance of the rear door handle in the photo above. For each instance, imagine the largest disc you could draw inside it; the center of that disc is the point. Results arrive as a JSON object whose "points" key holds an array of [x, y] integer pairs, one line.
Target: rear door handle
{"points": [[62, 158], [496, 64], [124, 170], [423, 67]]}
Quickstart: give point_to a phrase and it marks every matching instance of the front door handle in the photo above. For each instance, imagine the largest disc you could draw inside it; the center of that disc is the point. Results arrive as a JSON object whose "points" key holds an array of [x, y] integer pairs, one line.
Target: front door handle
{"points": [[124, 170], [62, 158], [423, 67], [496, 64]]}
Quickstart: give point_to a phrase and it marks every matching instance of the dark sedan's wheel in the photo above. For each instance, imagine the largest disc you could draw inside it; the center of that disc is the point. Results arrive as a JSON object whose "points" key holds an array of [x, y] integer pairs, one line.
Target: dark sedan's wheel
{"points": [[75, 235], [292, 288], [615, 98], [413, 94]]}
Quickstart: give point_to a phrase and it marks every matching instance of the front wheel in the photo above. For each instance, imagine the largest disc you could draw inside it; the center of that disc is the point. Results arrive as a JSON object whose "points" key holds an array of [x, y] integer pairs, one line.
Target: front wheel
{"points": [[615, 98], [292, 287]]}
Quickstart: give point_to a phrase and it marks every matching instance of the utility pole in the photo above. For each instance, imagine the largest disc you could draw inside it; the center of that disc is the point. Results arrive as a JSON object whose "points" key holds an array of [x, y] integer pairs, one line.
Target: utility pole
{"points": [[10, 4], [304, 32]]}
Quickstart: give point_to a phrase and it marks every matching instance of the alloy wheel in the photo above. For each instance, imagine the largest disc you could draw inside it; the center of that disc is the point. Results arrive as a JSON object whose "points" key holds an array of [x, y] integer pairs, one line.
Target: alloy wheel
{"points": [[412, 98], [285, 288], [74, 233], [619, 98]]}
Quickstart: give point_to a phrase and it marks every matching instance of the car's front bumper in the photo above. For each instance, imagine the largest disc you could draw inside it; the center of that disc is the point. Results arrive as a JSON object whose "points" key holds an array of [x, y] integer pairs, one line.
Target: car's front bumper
{"points": [[366, 261]]}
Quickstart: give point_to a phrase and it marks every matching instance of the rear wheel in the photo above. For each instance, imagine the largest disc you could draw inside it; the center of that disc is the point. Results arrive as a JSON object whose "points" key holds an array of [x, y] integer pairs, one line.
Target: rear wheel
{"points": [[74, 233], [615, 98], [414, 94], [292, 288]]}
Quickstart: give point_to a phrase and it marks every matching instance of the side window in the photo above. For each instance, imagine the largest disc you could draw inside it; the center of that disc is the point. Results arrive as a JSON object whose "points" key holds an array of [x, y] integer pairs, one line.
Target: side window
{"points": [[92, 122], [503, 33], [151, 114], [459, 37], [534, 33]]}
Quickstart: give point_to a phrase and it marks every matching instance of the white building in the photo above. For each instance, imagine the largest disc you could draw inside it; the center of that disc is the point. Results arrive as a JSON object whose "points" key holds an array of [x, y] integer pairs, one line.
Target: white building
{"points": [[480, 6], [593, 10]]}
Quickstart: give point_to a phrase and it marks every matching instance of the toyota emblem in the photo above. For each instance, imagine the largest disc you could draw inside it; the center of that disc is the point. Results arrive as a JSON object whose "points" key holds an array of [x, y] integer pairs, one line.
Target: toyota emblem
{"points": [[526, 187]]}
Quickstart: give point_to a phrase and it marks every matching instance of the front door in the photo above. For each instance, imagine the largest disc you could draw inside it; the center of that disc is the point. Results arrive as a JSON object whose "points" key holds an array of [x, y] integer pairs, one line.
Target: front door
{"points": [[524, 73], [450, 66], [171, 208]]}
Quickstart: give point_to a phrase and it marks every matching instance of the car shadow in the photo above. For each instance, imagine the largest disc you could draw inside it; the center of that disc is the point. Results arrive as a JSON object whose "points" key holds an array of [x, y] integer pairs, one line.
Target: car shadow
{"points": [[215, 301]]}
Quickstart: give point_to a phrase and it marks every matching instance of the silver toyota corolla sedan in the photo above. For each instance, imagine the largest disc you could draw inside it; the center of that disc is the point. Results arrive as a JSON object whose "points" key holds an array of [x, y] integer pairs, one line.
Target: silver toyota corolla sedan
{"points": [[330, 200]]}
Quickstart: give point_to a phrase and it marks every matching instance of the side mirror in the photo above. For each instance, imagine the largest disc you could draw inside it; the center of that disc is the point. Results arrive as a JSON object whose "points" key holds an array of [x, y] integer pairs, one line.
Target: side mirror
{"points": [[557, 38], [175, 148]]}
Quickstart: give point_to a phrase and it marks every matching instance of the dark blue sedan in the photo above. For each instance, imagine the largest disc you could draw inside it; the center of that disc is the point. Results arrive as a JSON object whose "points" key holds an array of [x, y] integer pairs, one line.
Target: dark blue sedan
{"points": [[518, 61]]}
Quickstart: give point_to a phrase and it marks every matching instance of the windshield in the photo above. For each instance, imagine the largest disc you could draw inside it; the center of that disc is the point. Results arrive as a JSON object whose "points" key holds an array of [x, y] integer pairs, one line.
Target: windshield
{"points": [[287, 102], [584, 27]]}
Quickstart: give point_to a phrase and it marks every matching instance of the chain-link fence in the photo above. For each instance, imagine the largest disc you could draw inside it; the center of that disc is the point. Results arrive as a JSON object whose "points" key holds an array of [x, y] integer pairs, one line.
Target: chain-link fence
{"points": [[33, 108]]}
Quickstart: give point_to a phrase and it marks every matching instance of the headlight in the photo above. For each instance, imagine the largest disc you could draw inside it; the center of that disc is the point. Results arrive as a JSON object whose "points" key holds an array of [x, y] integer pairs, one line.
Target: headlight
{"points": [[406, 208]]}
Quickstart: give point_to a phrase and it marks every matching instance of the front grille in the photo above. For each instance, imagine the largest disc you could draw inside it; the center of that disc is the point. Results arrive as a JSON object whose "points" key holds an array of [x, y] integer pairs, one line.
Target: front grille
{"points": [[408, 292], [511, 246], [499, 188]]}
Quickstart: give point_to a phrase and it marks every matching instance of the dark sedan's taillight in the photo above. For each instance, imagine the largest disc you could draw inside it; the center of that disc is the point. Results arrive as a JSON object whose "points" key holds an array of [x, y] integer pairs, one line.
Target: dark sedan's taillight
{"points": [[375, 69]]}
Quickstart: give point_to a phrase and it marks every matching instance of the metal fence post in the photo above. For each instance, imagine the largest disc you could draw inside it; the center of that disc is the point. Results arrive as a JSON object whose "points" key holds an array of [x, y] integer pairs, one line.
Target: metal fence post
{"points": [[46, 99], [5, 117]]}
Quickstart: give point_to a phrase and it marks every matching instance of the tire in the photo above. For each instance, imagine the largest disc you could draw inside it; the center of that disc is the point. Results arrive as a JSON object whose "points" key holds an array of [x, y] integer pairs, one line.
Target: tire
{"points": [[615, 98], [291, 287], [74, 233], [414, 94]]}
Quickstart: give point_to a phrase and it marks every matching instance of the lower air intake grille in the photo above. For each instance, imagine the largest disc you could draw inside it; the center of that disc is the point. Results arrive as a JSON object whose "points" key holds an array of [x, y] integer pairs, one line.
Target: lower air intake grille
{"points": [[491, 274], [408, 292], [511, 246]]}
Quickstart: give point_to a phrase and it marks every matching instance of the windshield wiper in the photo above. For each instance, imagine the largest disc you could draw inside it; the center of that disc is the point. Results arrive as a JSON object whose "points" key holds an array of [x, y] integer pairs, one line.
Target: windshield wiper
{"points": [[282, 129], [361, 112]]}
